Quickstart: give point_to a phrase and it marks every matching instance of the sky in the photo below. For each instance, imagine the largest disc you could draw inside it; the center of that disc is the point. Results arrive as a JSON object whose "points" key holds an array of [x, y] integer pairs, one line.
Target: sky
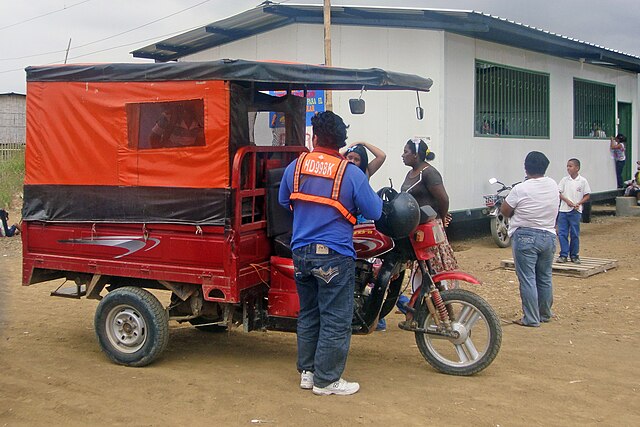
{"points": [[37, 32]]}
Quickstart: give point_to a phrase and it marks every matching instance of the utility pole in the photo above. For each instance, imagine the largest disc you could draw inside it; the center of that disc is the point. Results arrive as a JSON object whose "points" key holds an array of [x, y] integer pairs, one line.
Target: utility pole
{"points": [[328, 103]]}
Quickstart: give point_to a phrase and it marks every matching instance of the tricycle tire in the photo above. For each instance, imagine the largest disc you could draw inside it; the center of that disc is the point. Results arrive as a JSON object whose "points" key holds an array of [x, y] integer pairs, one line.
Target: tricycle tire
{"points": [[132, 326], [464, 356]]}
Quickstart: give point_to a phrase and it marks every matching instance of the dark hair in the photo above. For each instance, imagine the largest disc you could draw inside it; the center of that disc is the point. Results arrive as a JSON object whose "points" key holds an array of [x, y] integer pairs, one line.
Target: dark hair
{"points": [[536, 163], [418, 146], [362, 152], [330, 129], [576, 162], [621, 138]]}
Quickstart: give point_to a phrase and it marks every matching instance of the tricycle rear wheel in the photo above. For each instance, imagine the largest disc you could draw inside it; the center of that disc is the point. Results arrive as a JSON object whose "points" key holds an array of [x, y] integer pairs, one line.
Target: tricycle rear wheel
{"points": [[132, 326]]}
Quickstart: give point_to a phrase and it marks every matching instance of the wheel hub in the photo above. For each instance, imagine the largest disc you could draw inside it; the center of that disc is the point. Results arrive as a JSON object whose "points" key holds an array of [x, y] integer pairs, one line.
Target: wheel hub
{"points": [[126, 329], [462, 332]]}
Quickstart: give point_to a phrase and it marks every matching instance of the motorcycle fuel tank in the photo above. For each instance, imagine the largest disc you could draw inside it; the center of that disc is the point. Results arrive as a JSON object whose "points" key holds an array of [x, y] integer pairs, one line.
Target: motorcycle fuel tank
{"points": [[369, 242]]}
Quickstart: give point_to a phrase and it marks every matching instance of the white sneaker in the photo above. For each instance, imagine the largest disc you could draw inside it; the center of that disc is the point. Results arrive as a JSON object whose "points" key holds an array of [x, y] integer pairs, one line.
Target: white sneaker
{"points": [[306, 380], [340, 387]]}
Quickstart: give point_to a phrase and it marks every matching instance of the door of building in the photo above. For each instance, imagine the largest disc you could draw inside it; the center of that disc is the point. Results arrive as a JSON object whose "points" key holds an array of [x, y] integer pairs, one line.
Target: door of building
{"points": [[624, 127]]}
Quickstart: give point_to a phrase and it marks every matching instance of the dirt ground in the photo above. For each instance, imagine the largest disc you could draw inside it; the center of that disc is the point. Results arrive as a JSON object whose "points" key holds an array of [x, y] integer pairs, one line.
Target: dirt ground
{"points": [[581, 369]]}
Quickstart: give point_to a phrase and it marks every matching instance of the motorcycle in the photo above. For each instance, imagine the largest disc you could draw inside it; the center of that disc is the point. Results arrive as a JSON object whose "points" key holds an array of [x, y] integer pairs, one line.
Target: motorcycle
{"points": [[456, 331], [499, 222]]}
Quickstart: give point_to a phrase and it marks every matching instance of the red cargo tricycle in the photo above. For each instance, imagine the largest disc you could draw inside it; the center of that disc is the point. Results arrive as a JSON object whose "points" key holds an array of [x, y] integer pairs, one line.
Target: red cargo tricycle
{"points": [[164, 177]]}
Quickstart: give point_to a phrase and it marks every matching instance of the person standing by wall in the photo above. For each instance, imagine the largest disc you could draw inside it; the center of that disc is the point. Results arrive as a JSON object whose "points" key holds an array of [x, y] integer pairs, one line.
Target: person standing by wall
{"points": [[325, 191], [574, 193], [619, 156], [533, 208]]}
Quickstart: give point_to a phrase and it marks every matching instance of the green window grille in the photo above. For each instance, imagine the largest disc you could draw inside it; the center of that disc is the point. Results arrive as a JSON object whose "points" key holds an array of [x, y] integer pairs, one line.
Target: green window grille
{"points": [[594, 109], [510, 102]]}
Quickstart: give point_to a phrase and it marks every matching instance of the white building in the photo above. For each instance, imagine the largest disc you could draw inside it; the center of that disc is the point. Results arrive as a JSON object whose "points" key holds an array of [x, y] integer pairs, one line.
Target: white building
{"points": [[501, 89]]}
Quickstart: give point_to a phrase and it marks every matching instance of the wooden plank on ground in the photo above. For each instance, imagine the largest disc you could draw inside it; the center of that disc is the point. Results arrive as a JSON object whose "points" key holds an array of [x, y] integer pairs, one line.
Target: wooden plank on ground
{"points": [[588, 266]]}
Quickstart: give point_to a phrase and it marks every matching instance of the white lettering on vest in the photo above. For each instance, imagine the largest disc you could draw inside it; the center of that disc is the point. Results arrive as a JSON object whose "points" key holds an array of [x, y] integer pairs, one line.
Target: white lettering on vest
{"points": [[317, 168]]}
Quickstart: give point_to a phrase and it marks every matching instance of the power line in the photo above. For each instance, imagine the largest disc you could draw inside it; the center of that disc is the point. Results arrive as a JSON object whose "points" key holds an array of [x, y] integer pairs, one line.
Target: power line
{"points": [[109, 37], [44, 14], [112, 48]]}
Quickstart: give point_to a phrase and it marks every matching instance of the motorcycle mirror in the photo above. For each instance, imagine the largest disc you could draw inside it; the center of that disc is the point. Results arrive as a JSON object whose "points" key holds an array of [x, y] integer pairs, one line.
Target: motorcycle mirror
{"points": [[356, 106], [492, 181], [419, 109]]}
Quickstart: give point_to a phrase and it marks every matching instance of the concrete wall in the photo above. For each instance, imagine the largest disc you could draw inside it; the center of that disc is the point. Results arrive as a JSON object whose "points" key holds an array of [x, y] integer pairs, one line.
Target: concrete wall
{"points": [[466, 162], [12, 118]]}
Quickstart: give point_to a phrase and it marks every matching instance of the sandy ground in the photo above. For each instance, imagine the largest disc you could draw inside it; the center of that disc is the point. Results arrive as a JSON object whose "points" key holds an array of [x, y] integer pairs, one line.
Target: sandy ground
{"points": [[580, 369]]}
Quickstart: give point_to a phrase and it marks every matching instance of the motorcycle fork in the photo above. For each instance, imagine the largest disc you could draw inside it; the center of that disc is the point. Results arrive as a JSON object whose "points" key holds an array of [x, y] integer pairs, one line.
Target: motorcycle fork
{"points": [[431, 295]]}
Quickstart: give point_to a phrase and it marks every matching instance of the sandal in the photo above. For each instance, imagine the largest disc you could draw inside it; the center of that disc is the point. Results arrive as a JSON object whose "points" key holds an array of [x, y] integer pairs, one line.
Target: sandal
{"points": [[519, 322]]}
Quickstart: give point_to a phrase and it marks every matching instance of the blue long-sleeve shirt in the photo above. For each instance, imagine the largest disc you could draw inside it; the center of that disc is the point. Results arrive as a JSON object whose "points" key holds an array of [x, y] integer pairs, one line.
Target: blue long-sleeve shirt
{"points": [[317, 223]]}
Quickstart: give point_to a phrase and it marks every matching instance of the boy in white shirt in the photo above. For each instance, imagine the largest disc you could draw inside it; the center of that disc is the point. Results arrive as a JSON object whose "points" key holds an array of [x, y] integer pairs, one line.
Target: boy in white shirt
{"points": [[574, 192]]}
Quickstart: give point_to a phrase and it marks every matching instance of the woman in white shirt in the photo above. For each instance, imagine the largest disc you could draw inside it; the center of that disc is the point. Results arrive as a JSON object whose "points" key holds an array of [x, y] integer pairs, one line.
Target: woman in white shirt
{"points": [[533, 208]]}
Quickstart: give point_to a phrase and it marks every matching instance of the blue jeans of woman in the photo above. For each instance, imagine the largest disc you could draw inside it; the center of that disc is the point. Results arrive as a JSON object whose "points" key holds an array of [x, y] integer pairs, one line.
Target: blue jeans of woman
{"points": [[325, 283], [533, 252], [569, 228]]}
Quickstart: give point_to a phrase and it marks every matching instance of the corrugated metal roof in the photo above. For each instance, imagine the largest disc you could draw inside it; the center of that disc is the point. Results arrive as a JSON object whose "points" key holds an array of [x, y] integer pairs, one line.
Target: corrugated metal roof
{"points": [[474, 24]]}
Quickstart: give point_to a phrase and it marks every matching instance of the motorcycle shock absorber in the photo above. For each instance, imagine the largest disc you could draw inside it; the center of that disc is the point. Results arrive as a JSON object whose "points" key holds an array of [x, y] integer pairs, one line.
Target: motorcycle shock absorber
{"points": [[434, 301], [440, 306]]}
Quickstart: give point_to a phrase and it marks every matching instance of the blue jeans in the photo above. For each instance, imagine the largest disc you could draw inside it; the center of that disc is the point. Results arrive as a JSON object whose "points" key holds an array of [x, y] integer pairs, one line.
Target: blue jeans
{"points": [[533, 252], [619, 167], [569, 227], [325, 284]]}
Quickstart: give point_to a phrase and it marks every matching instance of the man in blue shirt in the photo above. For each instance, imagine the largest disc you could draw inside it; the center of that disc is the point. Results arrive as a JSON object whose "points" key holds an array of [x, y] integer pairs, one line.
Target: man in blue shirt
{"points": [[325, 192]]}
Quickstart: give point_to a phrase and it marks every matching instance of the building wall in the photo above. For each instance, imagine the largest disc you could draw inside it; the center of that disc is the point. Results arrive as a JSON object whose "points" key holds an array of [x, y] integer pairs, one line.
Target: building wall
{"points": [[12, 119], [483, 157], [466, 162]]}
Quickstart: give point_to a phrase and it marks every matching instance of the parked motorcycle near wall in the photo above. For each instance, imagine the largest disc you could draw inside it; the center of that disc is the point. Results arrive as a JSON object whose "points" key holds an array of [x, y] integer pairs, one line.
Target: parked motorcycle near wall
{"points": [[499, 222], [443, 319]]}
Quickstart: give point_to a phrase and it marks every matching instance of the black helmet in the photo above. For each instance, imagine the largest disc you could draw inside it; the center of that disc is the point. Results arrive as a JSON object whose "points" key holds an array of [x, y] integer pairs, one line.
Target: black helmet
{"points": [[400, 213]]}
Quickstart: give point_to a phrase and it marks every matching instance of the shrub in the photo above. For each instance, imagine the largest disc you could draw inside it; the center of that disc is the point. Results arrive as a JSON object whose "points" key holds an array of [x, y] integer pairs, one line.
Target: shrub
{"points": [[11, 178]]}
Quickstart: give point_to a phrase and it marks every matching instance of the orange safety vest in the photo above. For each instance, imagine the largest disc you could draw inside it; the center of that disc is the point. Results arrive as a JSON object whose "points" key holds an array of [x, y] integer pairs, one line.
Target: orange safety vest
{"points": [[322, 165]]}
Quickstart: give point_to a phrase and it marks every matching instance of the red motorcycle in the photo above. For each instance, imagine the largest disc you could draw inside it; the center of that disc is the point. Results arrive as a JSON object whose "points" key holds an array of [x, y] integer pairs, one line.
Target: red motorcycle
{"points": [[457, 332]]}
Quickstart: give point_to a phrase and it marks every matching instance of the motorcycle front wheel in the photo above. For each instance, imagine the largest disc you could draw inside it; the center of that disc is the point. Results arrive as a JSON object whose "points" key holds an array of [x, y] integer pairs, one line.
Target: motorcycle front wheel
{"points": [[499, 230], [478, 326]]}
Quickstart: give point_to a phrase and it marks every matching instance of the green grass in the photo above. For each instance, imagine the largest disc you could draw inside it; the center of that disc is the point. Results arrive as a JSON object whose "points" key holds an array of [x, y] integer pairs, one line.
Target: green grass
{"points": [[11, 178]]}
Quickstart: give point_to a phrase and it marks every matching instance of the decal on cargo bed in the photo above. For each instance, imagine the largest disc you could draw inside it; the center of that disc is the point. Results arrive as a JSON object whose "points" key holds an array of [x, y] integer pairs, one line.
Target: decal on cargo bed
{"points": [[130, 243]]}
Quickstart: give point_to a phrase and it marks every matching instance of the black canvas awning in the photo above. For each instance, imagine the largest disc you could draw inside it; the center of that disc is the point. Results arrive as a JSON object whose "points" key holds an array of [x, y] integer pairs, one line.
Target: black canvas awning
{"points": [[261, 75]]}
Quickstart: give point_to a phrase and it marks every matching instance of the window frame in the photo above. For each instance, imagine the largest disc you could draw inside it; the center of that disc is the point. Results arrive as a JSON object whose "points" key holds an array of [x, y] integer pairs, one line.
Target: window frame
{"points": [[613, 113], [141, 114], [542, 99]]}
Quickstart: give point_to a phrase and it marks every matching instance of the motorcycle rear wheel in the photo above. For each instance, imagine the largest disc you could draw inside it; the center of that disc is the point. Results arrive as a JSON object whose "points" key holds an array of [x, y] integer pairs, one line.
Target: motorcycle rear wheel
{"points": [[480, 334], [499, 230]]}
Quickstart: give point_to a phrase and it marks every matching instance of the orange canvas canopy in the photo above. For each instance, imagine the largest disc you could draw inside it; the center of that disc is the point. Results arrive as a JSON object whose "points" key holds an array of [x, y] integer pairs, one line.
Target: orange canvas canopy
{"points": [[81, 133]]}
